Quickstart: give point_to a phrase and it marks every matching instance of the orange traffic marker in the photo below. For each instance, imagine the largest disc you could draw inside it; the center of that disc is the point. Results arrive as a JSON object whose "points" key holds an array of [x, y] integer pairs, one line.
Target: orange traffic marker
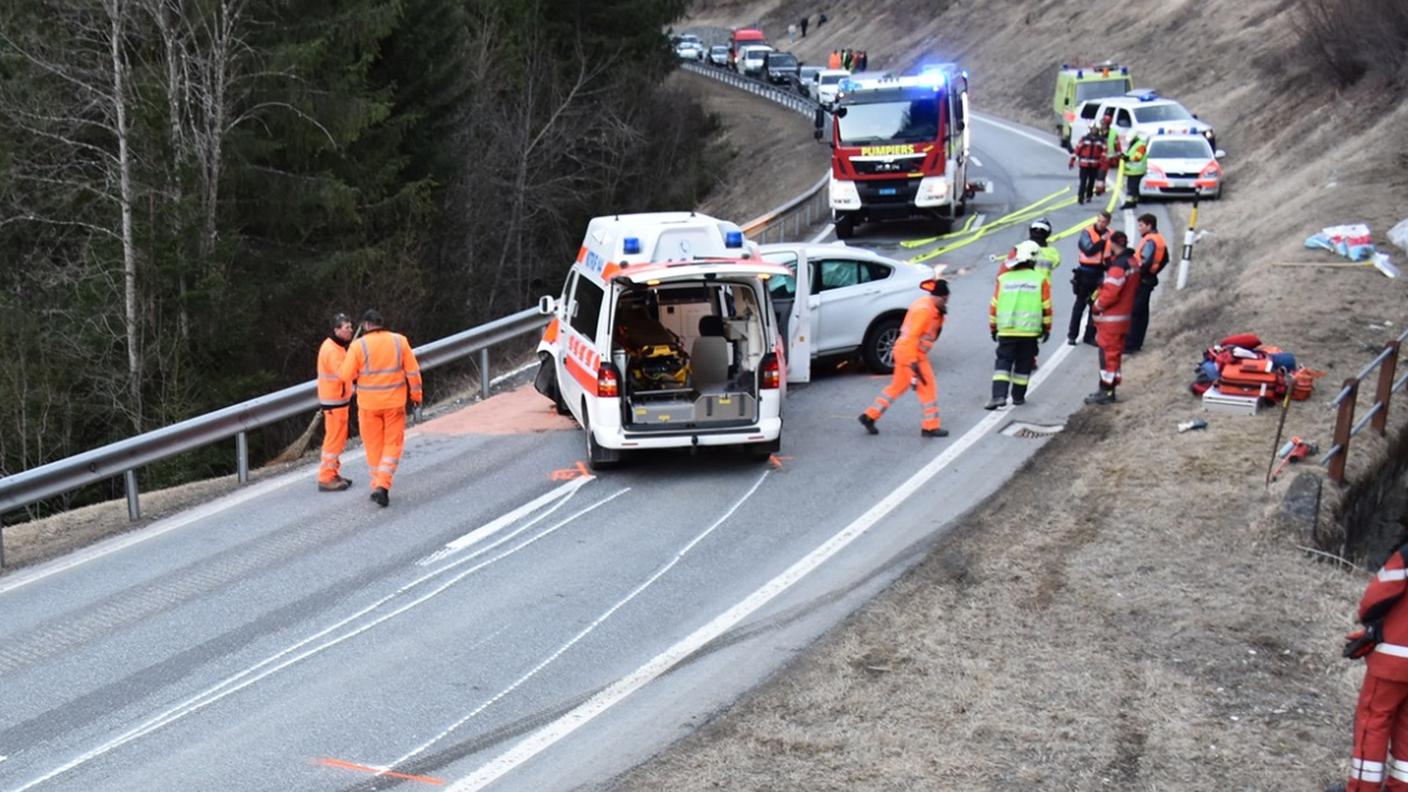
{"points": [[328, 761], [568, 474], [776, 461]]}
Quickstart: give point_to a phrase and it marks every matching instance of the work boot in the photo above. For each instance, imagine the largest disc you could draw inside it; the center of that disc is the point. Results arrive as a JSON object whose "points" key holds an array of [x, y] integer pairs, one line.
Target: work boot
{"points": [[933, 433], [1071, 340], [868, 423], [995, 403], [336, 485], [1101, 396], [1018, 401], [380, 497], [345, 480]]}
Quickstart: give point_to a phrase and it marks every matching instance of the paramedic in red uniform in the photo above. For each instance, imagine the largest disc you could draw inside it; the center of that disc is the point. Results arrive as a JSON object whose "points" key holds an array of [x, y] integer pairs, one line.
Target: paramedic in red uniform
{"points": [[1113, 305], [1381, 720], [922, 325]]}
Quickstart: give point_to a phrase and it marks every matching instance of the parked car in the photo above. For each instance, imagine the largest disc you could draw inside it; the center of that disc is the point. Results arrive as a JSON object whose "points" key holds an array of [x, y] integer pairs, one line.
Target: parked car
{"points": [[689, 50], [781, 68], [718, 55], [826, 84], [753, 60], [858, 298], [805, 76], [1183, 165], [1144, 112]]}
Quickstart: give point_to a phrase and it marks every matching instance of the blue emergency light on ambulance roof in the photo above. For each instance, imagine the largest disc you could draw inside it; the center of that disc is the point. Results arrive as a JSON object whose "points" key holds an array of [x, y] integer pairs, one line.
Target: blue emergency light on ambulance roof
{"points": [[733, 239], [1079, 74], [630, 246], [1124, 70]]}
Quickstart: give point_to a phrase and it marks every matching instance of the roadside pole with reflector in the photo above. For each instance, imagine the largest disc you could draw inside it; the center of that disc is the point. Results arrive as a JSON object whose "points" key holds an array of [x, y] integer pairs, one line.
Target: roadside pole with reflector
{"points": [[1187, 247]]}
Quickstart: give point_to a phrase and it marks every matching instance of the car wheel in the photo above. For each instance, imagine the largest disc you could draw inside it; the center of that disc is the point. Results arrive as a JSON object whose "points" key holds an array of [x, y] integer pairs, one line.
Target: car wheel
{"points": [[845, 225], [879, 347], [598, 458]]}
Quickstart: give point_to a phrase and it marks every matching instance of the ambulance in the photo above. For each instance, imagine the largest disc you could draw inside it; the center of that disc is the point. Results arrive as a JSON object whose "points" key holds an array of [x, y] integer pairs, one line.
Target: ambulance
{"points": [[665, 336], [1080, 83]]}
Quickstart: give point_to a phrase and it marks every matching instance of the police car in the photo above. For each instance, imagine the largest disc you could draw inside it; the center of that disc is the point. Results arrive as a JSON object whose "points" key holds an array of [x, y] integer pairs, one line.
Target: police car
{"points": [[1182, 166], [665, 336], [1144, 112]]}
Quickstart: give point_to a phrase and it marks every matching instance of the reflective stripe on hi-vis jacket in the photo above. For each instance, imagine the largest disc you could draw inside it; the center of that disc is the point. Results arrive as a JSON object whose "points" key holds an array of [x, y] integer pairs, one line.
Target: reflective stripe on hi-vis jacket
{"points": [[385, 370], [332, 392]]}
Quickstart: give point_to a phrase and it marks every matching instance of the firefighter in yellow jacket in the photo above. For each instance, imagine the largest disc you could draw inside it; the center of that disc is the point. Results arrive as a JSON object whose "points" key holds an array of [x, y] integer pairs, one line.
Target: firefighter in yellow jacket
{"points": [[922, 324], [385, 370], [335, 398]]}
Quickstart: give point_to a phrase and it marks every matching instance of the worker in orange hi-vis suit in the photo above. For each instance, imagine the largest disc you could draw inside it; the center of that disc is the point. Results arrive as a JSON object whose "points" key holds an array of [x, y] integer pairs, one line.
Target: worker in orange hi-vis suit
{"points": [[385, 370], [922, 324], [335, 398]]}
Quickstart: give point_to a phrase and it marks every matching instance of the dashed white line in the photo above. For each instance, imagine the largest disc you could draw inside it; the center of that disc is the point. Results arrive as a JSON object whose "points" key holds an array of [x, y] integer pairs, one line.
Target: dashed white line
{"points": [[228, 687], [547, 736], [585, 631], [562, 494], [978, 222], [976, 161]]}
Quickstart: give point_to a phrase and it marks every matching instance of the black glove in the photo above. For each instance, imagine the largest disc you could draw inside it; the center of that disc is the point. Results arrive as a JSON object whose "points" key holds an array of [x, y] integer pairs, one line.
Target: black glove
{"points": [[1046, 336], [994, 335], [1361, 642]]}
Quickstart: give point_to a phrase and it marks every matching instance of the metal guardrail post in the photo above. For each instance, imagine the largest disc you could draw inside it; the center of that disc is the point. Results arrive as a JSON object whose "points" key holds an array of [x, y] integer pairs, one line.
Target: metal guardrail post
{"points": [[1385, 390], [2, 547], [129, 482], [484, 373], [1343, 422], [242, 458]]}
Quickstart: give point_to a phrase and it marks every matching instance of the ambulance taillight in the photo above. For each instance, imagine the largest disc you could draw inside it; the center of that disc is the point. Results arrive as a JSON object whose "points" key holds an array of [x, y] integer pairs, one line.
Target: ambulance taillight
{"points": [[608, 382], [771, 372]]}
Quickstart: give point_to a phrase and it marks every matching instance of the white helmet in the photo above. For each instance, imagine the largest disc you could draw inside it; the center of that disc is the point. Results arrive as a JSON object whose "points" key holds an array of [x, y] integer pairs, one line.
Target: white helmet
{"points": [[1041, 229], [1027, 251]]}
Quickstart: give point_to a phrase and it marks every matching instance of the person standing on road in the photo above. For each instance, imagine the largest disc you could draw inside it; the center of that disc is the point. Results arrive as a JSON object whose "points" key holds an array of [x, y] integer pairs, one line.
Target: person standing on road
{"points": [[833, 61], [335, 399], [862, 60], [1150, 258], [1048, 257], [1090, 154], [384, 367], [803, 26], [1381, 717], [923, 323], [1112, 145], [1136, 164], [1019, 314], [1094, 247], [1113, 306]]}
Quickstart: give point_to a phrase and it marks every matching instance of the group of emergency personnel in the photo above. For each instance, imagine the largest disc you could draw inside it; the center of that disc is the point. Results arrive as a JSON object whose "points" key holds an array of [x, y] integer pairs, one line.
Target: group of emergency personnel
{"points": [[1099, 151], [1113, 283], [379, 368]]}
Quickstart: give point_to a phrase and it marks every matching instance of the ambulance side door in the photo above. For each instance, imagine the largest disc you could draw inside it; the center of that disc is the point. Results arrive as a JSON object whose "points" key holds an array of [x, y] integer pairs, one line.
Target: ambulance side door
{"points": [[578, 350]]}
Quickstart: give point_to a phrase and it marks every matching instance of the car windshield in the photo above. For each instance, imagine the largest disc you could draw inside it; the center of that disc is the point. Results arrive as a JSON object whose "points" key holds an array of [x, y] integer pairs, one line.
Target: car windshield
{"points": [[719, 50], [1100, 89], [1159, 113], [831, 79], [912, 121], [1180, 149], [779, 59]]}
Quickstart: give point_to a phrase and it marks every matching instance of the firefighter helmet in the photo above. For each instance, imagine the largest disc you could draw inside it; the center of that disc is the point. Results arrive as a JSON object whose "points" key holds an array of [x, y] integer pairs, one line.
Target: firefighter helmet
{"points": [[1027, 251], [1041, 230]]}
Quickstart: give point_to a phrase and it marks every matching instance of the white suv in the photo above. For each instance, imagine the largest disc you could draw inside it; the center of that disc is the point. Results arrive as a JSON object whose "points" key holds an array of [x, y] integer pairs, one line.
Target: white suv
{"points": [[857, 298]]}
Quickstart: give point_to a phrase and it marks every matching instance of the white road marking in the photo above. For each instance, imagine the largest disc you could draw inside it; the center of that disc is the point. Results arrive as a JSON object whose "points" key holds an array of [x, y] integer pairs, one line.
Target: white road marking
{"points": [[1130, 230], [1016, 131], [822, 234], [976, 161], [3, 758], [585, 631], [547, 736], [562, 494], [227, 687], [978, 222]]}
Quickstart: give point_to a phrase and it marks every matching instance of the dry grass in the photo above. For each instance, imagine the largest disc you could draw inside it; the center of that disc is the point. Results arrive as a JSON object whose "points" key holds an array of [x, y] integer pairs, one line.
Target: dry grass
{"points": [[1123, 615]]}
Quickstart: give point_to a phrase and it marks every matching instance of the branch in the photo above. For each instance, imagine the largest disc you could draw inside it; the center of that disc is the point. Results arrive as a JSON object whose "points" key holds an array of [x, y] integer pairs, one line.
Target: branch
{"points": [[249, 115], [49, 221]]}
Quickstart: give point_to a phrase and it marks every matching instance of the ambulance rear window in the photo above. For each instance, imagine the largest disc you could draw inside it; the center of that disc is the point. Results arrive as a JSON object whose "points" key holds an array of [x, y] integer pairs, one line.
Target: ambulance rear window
{"points": [[1100, 89]]}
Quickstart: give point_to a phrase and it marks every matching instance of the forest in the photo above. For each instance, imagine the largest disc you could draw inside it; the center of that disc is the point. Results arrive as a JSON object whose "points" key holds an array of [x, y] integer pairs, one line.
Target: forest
{"points": [[189, 189]]}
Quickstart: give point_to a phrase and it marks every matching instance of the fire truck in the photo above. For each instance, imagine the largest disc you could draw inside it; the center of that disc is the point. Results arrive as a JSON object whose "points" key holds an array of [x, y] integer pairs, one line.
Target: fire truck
{"points": [[899, 147]]}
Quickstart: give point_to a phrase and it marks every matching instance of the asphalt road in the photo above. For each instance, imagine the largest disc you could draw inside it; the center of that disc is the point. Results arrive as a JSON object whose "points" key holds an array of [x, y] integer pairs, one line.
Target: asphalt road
{"points": [[505, 624]]}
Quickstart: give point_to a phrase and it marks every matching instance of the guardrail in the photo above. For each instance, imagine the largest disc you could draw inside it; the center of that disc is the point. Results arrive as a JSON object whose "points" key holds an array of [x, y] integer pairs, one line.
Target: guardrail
{"points": [[1377, 417], [807, 209], [125, 457]]}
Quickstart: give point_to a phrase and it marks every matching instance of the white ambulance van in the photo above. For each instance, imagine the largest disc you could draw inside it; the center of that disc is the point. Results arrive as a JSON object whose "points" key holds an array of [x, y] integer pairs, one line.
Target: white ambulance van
{"points": [[664, 336]]}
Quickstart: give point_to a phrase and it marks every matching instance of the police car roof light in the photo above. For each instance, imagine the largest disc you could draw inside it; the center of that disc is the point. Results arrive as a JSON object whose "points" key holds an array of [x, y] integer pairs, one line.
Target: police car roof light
{"points": [[630, 245], [733, 239]]}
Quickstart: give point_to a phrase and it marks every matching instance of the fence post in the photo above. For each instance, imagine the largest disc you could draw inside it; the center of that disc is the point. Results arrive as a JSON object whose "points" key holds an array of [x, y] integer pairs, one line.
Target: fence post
{"points": [[1387, 371], [1343, 422], [484, 373], [242, 458], [2, 546], [134, 509]]}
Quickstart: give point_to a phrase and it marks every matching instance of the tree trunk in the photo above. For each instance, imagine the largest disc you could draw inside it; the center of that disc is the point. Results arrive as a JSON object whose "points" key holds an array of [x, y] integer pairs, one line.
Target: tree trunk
{"points": [[116, 12]]}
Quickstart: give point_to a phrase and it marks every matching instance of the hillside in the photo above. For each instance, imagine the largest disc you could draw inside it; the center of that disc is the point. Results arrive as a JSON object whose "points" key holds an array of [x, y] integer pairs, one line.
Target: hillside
{"points": [[1126, 613]]}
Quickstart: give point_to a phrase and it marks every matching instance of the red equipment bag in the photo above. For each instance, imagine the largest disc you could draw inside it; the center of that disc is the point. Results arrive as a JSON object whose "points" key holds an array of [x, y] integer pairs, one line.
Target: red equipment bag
{"points": [[1244, 340]]}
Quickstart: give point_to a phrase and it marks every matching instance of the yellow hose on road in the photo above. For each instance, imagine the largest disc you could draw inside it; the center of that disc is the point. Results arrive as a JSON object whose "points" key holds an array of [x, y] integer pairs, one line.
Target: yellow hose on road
{"points": [[1006, 222], [914, 243]]}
